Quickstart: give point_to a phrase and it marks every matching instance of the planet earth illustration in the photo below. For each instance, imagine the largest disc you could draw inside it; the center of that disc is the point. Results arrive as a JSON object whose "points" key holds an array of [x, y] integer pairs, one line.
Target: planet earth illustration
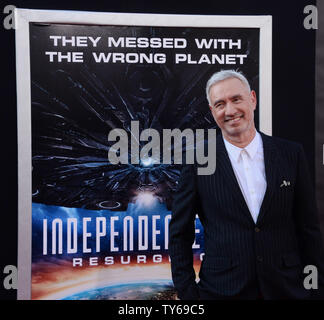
{"points": [[157, 290]]}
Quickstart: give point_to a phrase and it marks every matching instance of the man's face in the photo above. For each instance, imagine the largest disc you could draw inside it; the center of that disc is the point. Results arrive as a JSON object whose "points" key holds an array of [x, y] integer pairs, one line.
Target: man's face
{"points": [[232, 106]]}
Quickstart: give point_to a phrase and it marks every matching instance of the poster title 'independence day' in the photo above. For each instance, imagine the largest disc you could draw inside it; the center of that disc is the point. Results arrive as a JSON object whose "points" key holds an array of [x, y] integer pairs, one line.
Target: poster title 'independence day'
{"points": [[179, 46]]}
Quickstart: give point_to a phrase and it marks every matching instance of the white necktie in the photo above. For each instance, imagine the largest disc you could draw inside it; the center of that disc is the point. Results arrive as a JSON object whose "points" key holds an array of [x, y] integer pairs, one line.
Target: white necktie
{"points": [[251, 197]]}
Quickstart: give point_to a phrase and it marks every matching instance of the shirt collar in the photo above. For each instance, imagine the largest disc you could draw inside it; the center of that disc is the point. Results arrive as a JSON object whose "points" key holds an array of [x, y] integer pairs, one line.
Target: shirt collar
{"points": [[252, 148]]}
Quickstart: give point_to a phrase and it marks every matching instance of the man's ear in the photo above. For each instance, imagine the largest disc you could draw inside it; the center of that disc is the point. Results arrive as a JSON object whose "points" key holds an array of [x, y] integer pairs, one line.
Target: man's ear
{"points": [[253, 99]]}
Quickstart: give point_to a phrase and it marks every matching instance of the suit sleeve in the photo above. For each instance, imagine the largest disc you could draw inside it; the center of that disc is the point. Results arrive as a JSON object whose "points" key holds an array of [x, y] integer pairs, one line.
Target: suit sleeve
{"points": [[307, 223], [182, 235]]}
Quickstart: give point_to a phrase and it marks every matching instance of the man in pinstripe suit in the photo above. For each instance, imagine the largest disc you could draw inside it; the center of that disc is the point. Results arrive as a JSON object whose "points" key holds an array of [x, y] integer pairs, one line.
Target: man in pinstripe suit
{"points": [[258, 210]]}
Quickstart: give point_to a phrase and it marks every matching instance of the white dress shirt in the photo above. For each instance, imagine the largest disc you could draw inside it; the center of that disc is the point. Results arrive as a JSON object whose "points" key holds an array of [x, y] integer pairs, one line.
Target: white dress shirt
{"points": [[248, 166]]}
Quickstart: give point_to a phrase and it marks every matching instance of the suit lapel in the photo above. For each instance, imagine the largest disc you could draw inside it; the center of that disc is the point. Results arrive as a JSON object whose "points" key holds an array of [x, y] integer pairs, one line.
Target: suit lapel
{"points": [[271, 167], [225, 169]]}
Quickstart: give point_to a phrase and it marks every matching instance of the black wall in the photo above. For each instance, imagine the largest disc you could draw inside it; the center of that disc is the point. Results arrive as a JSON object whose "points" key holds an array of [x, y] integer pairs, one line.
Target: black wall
{"points": [[293, 85]]}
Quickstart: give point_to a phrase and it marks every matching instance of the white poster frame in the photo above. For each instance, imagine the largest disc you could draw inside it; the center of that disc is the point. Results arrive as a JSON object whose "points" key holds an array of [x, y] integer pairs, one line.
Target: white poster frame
{"points": [[22, 19]]}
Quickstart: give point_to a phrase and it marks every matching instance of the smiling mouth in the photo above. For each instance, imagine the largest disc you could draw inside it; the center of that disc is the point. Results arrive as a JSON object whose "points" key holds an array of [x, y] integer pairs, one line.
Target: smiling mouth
{"points": [[234, 119]]}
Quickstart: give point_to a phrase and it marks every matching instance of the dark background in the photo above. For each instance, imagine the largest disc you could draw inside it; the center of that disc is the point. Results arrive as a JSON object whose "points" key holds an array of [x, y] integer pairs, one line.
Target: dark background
{"points": [[293, 85]]}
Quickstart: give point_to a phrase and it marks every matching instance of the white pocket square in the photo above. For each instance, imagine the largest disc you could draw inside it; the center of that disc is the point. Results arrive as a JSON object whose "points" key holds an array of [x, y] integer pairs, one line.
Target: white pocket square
{"points": [[285, 184]]}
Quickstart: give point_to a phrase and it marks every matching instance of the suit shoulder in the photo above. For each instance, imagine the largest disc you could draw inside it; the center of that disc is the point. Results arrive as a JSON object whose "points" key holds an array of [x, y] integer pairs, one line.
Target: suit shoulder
{"points": [[284, 144]]}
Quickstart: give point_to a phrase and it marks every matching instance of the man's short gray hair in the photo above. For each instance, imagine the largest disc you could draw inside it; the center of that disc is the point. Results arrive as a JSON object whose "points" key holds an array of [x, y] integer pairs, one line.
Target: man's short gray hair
{"points": [[223, 75]]}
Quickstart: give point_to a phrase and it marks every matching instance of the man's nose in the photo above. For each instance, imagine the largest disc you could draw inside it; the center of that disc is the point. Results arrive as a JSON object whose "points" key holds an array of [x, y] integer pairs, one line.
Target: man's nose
{"points": [[230, 109]]}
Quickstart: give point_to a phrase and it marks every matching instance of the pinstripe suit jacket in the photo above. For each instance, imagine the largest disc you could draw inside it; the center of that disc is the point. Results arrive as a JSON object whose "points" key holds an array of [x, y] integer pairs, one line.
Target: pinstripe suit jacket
{"points": [[239, 253]]}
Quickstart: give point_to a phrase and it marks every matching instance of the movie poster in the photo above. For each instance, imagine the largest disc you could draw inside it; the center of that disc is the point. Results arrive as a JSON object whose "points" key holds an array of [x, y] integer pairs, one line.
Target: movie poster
{"points": [[100, 212]]}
